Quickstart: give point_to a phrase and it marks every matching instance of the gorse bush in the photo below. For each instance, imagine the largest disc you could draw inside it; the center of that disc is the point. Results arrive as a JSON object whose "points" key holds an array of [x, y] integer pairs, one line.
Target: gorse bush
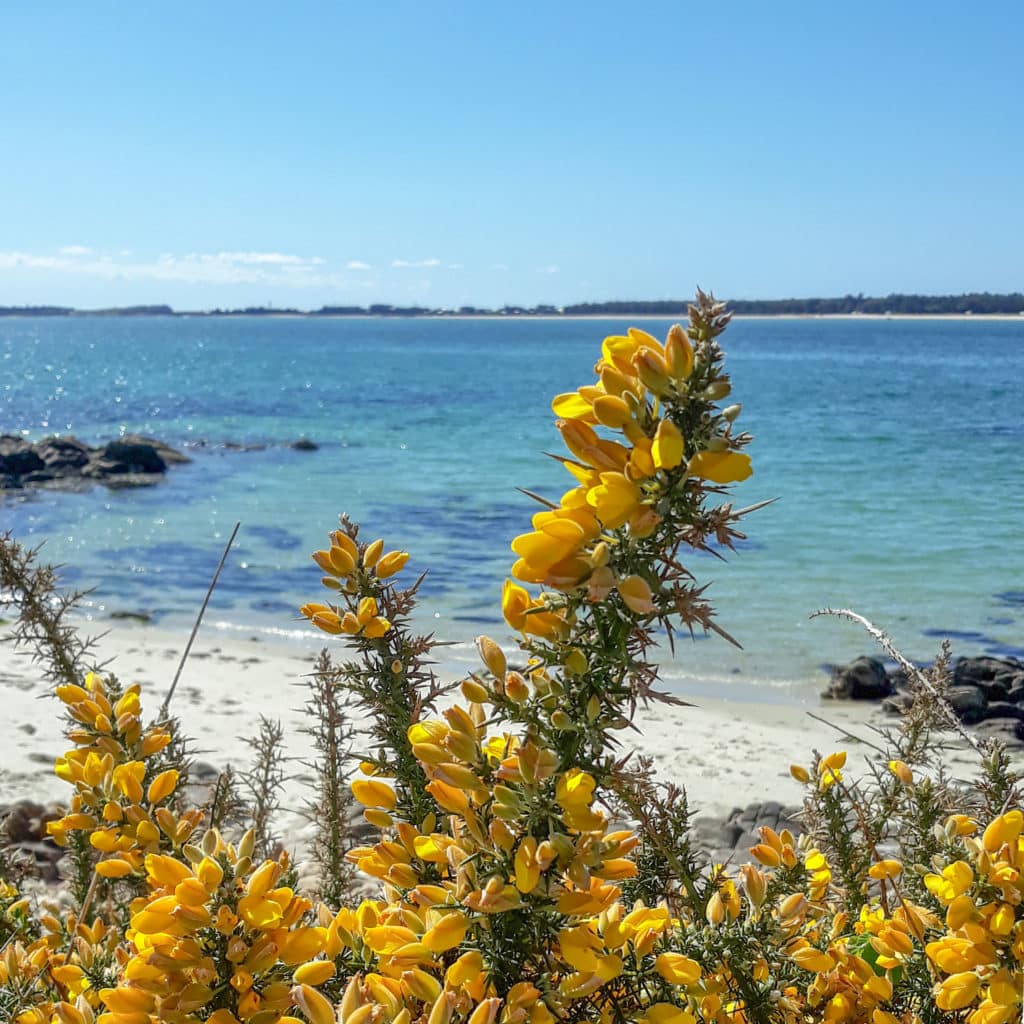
{"points": [[528, 868]]}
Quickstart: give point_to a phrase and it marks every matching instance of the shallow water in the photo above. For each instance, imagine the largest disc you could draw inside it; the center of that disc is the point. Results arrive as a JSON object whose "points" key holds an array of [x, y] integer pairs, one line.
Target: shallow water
{"points": [[893, 447]]}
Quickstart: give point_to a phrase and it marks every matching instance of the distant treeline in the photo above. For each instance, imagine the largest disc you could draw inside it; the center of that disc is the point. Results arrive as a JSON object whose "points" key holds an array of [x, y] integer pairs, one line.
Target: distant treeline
{"points": [[978, 303]]}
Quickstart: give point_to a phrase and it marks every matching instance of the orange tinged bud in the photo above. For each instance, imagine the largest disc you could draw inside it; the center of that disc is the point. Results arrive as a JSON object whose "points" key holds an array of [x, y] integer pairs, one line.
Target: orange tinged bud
{"points": [[766, 855], [516, 688], [391, 563]]}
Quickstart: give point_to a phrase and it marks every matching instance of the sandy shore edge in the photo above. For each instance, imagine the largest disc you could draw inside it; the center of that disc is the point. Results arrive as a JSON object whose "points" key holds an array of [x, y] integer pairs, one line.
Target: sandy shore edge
{"points": [[727, 753]]}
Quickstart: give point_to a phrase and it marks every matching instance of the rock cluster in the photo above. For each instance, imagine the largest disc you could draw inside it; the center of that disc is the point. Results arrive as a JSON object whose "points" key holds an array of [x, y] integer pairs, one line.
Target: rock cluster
{"points": [[130, 461], [23, 830], [729, 840], [985, 692]]}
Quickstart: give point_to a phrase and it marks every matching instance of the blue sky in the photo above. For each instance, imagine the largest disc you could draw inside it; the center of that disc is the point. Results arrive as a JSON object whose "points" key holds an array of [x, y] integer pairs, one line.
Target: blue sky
{"points": [[475, 153]]}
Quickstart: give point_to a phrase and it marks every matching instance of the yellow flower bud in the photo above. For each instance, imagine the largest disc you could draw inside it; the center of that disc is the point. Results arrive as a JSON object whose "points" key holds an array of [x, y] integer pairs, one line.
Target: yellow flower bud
{"points": [[576, 662], [447, 933], [313, 1004], [372, 793], [677, 969], [792, 906], [372, 553], [957, 991], [678, 353], [756, 884], [114, 868], [516, 688], [342, 562], [315, 972], [636, 595], [1002, 830], [492, 656], [766, 855], [561, 721], [885, 869], [612, 411], [715, 911], [162, 786], [668, 447], [391, 563], [465, 969], [651, 369]]}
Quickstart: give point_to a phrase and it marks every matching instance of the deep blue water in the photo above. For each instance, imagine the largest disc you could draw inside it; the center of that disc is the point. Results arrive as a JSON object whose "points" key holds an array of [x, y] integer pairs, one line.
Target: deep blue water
{"points": [[894, 448]]}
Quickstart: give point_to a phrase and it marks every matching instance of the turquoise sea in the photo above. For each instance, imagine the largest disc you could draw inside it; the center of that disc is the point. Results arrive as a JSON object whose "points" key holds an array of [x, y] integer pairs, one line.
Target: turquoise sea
{"points": [[894, 448]]}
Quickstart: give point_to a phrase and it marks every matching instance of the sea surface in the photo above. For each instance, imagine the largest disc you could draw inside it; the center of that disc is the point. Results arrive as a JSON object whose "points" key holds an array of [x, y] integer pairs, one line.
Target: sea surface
{"points": [[894, 449]]}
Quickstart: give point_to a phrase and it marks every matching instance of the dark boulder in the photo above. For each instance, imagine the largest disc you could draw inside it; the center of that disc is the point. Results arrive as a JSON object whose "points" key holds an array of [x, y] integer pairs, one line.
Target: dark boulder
{"points": [[305, 445], [63, 455], [994, 676], [17, 456], [968, 702], [125, 457], [143, 617], [1003, 709], [862, 679], [171, 456]]}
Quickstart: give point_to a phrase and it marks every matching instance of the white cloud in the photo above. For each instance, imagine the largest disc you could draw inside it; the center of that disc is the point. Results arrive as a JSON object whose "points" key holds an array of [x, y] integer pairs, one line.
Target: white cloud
{"points": [[357, 265], [414, 264], [454, 266], [275, 259], [221, 268], [551, 269], [499, 266]]}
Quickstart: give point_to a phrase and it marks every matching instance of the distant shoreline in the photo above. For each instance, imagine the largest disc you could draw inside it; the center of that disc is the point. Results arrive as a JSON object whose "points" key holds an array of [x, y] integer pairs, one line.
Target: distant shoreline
{"points": [[966, 306]]}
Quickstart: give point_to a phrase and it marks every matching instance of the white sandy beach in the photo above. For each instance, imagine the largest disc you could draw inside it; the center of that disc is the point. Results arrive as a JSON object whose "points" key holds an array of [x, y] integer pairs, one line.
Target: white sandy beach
{"points": [[727, 753]]}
